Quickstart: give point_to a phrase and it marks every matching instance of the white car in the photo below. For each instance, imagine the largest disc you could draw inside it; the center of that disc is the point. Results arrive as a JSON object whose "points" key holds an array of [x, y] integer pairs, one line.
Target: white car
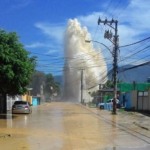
{"points": [[21, 107], [108, 104]]}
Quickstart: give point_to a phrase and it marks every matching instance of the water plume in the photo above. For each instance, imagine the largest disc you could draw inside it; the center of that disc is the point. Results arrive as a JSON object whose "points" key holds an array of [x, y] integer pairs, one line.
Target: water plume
{"points": [[81, 57]]}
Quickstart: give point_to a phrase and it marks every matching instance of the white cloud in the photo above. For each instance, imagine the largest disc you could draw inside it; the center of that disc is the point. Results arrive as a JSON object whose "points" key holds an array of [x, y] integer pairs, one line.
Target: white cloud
{"points": [[137, 15], [20, 4], [10, 6], [54, 31], [90, 20], [51, 48], [37, 45], [54, 51], [133, 24], [133, 21]]}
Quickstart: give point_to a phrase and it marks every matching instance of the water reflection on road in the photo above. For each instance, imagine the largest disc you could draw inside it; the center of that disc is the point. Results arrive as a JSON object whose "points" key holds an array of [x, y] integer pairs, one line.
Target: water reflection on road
{"points": [[65, 126]]}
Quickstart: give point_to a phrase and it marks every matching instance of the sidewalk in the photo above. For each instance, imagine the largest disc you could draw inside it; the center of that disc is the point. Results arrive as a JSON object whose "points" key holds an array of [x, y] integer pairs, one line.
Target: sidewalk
{"points": [[133, 120]]}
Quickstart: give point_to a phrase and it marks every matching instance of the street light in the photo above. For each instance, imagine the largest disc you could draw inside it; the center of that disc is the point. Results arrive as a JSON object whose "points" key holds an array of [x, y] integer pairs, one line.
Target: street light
{"points": [[89, 41], [114, 54]]}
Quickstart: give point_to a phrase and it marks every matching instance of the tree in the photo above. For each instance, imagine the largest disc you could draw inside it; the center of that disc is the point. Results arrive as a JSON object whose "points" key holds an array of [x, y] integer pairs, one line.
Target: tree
{"points": [[109, 84], [16, 67], [50, 86], [38, 80], [47, 81]]}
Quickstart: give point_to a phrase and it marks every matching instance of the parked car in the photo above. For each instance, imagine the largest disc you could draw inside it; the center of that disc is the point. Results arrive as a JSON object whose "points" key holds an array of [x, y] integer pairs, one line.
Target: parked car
{"points": [[21, 107], [108, 104]]}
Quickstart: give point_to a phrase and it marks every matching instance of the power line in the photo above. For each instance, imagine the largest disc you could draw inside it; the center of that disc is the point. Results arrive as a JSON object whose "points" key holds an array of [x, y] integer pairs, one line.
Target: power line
{"points": [[127, 57], [114, 10], [134, 42], [143, 64], [108, 35]]}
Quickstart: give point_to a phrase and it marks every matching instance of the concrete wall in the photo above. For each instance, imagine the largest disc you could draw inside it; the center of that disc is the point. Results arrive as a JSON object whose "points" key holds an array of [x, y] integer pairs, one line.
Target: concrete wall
{"points": [[149, 100], [27, 98], [140, 100], [11, 100], [134, 99]]}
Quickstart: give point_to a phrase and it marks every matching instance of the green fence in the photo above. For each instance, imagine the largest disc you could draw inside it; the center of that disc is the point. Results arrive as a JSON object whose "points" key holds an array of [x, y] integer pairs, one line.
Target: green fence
{"points": [[127, 87]]}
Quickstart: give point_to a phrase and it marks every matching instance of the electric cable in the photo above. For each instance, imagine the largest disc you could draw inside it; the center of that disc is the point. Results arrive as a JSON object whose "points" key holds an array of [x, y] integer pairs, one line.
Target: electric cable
{"points": [[135, 42]]}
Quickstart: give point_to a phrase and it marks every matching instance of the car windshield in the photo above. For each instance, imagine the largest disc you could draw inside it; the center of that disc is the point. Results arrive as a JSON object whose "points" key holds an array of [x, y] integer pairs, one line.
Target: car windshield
{"points": [[20, 102]]}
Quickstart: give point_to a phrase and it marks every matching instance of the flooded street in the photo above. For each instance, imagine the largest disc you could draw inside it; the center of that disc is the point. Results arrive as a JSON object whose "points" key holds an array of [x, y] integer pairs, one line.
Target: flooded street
{"points": [[68, 126]]}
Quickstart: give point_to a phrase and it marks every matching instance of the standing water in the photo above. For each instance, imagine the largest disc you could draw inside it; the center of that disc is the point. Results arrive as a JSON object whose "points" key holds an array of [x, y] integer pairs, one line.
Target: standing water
{"points": [[83, 64]]}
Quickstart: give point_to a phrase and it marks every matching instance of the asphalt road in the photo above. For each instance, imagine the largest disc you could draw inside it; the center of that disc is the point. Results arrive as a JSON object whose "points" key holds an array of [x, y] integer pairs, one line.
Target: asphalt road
{"points": [[69, 126]]}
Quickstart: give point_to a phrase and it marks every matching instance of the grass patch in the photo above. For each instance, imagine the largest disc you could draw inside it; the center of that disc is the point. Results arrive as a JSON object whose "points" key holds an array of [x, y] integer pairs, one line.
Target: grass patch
{"points": [[90, 104], [121, 110]]}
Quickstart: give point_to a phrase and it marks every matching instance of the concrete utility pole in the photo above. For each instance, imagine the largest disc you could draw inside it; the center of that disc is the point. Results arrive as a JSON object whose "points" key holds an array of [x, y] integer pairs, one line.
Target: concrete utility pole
{"points": [[82, 86], [108, 34]]}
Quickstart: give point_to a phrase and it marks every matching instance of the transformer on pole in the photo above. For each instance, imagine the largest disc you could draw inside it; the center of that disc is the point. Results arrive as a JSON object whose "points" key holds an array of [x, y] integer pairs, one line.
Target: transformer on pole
{"points": [[108, 34]]}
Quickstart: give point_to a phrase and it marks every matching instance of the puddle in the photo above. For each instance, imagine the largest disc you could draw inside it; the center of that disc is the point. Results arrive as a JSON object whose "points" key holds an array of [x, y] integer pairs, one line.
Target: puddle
{"points": [[7, 116], [60, 126]]}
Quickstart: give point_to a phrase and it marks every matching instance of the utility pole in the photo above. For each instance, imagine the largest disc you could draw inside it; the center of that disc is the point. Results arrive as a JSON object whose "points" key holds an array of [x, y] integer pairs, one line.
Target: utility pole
{"points": [[82, 86], [108, 34]]}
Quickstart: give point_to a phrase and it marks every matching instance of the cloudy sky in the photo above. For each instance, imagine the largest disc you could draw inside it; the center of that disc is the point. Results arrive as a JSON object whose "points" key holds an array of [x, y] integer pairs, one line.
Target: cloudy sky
{"points": [[40, 25]]}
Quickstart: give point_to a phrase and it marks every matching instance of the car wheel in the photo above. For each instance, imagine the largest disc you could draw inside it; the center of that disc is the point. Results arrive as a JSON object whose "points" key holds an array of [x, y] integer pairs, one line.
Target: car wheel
{"points": [[30, 111], [101, 107]]}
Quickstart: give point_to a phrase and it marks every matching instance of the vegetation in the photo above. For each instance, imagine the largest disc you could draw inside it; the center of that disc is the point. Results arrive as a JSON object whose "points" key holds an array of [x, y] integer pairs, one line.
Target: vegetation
{"points": [[38, 80], [44, 84], [109, 84], [16, 67], [51, 86]]}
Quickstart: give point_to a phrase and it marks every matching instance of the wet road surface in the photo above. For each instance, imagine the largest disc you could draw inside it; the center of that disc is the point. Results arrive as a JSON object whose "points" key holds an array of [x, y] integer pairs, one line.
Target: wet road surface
{"points": [[68, 126]]}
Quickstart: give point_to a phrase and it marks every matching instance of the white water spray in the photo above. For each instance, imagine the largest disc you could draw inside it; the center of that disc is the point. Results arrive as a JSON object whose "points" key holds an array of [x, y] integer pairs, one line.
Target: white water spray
{"points": [[81, 56]]}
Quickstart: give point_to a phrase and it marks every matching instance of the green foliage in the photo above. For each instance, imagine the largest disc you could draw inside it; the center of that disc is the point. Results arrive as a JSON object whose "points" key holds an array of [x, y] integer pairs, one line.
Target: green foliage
{"points": [[44, 83], [38, 79], [109, 84], [95, 93], [50, 85], [16, 67]]}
